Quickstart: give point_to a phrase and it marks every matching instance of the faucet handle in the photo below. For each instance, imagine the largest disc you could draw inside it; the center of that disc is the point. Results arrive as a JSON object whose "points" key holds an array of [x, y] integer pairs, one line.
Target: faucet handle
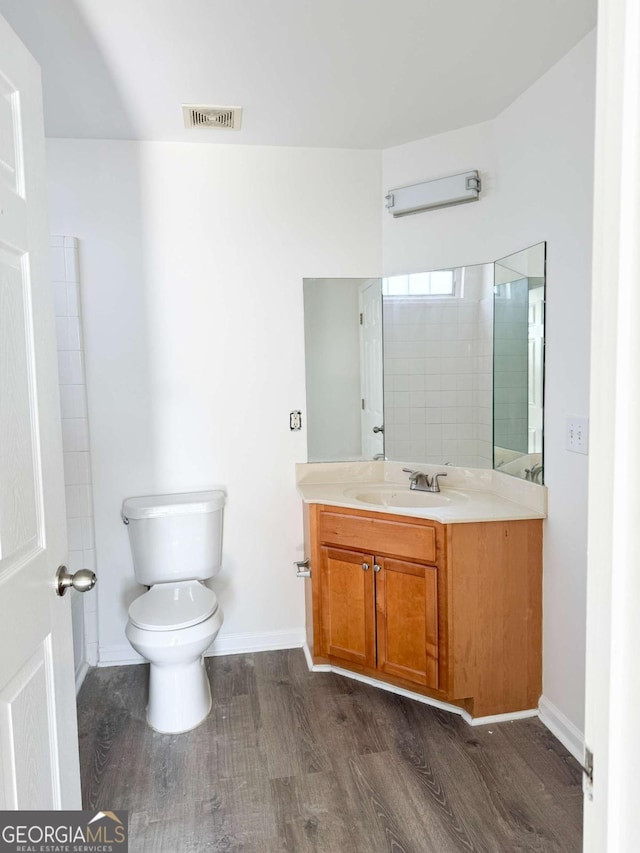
{"points": [[418, 480], [435, 485]]}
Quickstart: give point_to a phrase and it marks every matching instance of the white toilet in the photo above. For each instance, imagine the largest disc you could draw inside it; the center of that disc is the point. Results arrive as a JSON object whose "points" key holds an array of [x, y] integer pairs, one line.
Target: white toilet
{"points": [[176, 543]]}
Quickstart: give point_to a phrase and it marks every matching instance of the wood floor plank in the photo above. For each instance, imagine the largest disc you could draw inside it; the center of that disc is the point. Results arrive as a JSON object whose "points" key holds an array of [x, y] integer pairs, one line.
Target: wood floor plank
{"points": [[230, 676], [393, 823], [310, 814], [546, 756], [294, 761], [503, 797], [236, 739], [348, 724], [434, 789], [287, 729]]}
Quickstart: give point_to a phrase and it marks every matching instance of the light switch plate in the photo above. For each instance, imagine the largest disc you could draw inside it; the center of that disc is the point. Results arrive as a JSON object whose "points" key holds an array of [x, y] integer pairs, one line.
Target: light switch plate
{"points": [[577, 434]]}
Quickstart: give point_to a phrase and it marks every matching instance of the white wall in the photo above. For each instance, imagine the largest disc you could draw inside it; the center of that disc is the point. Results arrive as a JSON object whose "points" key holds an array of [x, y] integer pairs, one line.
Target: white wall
{"points": [[192, 259], [536, 161], [332, 363]]}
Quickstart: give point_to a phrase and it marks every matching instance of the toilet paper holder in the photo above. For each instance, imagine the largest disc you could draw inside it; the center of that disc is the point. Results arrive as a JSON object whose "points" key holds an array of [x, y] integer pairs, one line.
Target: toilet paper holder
{"points": [[303, 568]]}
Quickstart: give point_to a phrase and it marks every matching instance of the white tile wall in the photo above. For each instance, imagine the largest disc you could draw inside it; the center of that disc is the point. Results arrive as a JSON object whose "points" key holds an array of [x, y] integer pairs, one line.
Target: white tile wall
{"points": [[75, 442], [438, 375]]}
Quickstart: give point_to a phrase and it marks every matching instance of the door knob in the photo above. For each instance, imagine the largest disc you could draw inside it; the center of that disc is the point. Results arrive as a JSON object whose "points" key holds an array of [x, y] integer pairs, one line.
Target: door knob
{"points": [[377, 429], [365, 567], [82, 580]]}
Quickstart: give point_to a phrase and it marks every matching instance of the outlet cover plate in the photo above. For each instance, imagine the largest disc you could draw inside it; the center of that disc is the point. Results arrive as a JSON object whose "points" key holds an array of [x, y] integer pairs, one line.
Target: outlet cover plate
{"points": [[577, 434]]}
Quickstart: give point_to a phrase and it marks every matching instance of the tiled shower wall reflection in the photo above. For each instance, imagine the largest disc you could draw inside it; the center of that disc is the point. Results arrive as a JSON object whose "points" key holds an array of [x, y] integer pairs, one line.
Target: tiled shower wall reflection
{"points": [[511, 365], [438, 374], [75, 444]]}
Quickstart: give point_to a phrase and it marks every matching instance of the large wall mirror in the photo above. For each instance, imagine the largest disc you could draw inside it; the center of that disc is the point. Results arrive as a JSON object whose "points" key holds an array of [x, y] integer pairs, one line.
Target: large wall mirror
{"points": [[435, 367]]}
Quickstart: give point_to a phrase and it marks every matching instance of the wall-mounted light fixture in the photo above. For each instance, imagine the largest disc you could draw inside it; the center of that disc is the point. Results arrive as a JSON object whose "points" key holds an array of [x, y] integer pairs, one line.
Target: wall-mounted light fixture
{"points": [[443, 192]]}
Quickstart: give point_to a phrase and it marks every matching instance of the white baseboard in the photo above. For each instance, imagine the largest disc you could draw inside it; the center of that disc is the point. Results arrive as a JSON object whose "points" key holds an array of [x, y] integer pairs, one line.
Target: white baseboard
{"points": [[417, 697], [81, 672], [501, 718], [270, 641], [118, 655], [229, 644], [91, 653], [314, 667], [567, 733]]}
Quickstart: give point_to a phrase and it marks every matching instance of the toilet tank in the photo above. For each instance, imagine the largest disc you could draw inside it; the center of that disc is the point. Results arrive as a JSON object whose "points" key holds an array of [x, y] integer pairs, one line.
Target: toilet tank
{"points": [[175, 537]]}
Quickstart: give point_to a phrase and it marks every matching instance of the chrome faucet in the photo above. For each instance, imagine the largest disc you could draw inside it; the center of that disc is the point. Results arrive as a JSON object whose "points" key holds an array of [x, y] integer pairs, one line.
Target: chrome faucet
{"points": [[421, 482], [534, 474]]}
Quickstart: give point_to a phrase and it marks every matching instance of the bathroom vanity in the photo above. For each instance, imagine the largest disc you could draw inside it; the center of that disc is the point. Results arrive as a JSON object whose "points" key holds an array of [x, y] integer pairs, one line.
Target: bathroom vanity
{"points": [[438, 594]]}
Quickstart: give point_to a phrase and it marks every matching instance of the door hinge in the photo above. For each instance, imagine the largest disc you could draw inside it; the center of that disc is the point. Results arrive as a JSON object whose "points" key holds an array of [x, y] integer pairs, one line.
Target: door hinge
{"points": [[361, 318], [362, 404], [587, 769], [588, 764]]}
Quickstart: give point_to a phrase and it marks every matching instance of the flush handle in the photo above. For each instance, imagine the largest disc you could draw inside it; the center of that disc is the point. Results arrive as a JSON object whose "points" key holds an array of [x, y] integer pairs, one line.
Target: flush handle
{"points": [[82, 580]]}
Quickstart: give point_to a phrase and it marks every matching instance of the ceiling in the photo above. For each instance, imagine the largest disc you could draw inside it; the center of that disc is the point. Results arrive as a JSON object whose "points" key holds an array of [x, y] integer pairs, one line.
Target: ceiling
{"points": [[318, 73]]}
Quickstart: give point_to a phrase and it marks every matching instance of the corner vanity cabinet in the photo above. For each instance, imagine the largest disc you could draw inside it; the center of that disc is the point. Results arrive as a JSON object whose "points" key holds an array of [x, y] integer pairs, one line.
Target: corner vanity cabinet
{"points": [[451, 611]]}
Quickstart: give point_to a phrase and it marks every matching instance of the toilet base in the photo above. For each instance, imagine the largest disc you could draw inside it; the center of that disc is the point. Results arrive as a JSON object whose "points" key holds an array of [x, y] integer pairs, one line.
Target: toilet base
{"points": [[179, 697], [179, 689]]}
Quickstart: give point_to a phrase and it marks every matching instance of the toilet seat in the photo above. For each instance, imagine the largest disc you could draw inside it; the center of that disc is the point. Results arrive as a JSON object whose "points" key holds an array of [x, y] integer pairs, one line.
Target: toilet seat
{"points": [[171, 606]]}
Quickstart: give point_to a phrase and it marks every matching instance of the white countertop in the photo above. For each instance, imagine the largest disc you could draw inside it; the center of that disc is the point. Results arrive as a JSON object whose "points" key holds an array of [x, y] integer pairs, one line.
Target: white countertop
{"points": [[471, 494]]}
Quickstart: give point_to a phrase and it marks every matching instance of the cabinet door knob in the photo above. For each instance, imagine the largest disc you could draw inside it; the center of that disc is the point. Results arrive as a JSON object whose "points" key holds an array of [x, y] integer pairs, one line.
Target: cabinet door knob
{"points": [[376, 567], [365, 567]]}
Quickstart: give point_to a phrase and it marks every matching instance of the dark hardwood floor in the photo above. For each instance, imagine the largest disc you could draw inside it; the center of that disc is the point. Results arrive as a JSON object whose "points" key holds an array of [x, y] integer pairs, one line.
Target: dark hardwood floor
{"points": [[290, 760]]}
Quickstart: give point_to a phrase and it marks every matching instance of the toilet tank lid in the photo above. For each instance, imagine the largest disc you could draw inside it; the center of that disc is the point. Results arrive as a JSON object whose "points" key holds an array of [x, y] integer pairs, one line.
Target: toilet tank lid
{"points": [[155, 506]]}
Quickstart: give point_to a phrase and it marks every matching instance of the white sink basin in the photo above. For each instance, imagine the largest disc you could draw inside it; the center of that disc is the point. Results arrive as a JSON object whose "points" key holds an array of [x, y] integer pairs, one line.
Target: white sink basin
{"points": [[398, 496]]}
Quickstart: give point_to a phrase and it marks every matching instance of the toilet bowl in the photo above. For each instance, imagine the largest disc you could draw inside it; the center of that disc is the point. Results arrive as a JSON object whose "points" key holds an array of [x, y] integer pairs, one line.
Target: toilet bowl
{"points": [[176, 542], [167, 634]]}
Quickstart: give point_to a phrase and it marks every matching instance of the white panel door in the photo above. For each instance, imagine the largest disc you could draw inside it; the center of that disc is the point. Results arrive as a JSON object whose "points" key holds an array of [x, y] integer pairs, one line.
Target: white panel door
{"points": [[370, 298], [38, 737], [611, 813]]}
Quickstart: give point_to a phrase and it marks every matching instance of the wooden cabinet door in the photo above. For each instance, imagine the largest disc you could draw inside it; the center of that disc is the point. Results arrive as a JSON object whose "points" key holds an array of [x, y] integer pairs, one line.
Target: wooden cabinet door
{"points": [[407, 621], [348, 606]]}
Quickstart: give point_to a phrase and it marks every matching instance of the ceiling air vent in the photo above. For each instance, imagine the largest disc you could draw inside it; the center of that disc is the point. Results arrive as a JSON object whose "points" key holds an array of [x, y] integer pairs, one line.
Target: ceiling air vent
{"points": [[224, 118]]}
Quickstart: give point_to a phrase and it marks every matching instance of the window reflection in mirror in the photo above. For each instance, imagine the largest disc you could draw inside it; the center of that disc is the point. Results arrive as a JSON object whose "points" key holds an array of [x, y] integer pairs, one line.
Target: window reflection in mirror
{"points": [[437, 367]]}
